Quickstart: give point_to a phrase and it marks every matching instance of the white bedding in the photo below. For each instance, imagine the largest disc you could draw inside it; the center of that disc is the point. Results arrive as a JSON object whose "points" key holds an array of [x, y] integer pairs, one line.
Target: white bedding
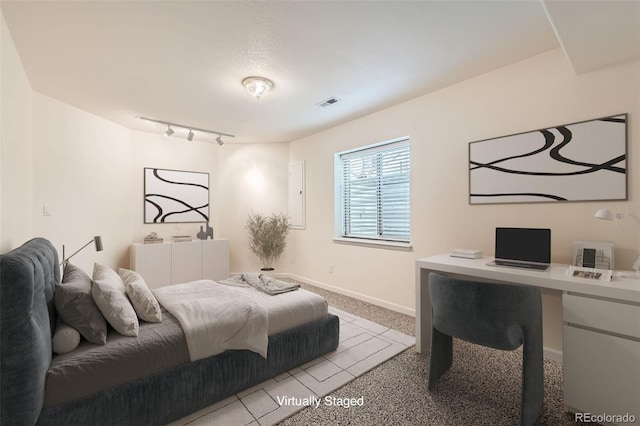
{"points": [[216, 317], [207, 301], [289, 310]]}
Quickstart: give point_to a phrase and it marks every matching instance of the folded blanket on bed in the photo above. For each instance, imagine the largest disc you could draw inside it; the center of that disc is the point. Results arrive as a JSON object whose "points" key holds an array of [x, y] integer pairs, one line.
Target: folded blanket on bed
{"points": [[261, 282], [216, 317]]}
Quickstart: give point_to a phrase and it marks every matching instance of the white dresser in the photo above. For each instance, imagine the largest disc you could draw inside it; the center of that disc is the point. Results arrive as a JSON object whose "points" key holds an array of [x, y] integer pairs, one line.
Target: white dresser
{"points": [[174, 263]]}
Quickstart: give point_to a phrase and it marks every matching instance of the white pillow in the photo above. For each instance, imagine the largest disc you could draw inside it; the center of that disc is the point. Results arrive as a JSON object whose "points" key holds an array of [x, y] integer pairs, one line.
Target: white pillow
{"points": [[109, 294], [65, 339], [143, 301]]}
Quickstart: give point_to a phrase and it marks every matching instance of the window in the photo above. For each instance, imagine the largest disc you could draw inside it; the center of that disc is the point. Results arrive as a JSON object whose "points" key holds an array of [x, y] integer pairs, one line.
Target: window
{"points": [[372, 193]]}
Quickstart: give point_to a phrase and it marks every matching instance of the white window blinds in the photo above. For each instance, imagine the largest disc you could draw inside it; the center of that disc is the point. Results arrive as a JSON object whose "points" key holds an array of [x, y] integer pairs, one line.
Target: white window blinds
{"points": [[375, 192]]}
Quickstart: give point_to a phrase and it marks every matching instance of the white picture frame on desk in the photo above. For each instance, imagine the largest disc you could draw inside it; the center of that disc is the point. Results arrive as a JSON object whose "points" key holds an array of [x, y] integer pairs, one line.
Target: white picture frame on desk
{"points": [[590, 273]]}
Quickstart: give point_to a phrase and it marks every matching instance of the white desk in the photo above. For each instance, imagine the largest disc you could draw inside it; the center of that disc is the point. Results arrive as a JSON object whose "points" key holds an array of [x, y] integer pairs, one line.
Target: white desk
{"points": [[601, 333]]}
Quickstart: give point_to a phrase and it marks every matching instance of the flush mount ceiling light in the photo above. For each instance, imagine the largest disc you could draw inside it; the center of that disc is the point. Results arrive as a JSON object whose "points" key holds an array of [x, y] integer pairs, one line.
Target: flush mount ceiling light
{"points": [[257, 86], [191, 129]]}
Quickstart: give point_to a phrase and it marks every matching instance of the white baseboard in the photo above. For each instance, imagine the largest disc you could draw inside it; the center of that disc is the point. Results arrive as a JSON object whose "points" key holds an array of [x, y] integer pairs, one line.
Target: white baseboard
{"points": [[374, 301], [552, 354]]}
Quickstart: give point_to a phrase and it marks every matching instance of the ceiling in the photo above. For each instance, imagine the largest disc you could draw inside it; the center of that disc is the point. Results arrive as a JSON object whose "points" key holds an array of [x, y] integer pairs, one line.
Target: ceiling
{"points": [[183, 61]]}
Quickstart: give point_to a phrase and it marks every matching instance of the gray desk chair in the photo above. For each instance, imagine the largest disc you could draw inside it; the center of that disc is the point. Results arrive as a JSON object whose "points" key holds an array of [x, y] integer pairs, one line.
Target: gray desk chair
{"points": [[500, 316]]}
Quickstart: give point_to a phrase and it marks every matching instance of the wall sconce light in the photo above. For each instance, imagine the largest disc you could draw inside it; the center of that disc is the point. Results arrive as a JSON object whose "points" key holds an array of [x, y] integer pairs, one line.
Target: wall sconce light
{"points": [[257, 86], [97, 240], [607, 214]]}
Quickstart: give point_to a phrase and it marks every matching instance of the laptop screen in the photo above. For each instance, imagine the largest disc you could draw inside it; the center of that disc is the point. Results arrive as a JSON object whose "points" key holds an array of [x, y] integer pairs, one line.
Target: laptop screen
{"points": [[524, 244]]}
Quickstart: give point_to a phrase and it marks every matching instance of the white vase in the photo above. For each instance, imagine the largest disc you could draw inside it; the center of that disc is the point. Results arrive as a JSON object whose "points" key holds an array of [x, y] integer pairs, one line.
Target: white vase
{"points": [[269, 272]]}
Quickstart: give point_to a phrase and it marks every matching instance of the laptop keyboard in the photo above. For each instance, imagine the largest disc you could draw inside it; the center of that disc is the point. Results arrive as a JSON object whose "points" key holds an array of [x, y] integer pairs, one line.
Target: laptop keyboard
{"points": [[537, 266]]}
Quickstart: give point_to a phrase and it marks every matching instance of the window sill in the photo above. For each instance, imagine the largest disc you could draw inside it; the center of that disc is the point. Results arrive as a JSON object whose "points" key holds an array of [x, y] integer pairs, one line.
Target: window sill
{"points": [[391, 245]]}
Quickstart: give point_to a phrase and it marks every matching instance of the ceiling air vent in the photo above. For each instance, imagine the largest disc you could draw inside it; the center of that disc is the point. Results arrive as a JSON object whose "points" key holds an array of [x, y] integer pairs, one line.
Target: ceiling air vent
{"points": [[330, 101]]}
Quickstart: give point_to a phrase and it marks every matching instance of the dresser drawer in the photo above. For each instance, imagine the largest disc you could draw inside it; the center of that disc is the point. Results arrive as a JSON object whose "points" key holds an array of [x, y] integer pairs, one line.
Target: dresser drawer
{"points": [[605, 315]]}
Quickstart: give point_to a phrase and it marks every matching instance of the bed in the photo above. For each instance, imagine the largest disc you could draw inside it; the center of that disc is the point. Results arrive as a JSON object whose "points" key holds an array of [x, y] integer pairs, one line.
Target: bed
{"points": [[119, 385]]}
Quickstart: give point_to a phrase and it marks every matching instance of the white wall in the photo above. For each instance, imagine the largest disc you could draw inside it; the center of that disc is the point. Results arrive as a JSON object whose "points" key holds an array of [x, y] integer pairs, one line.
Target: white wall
{"points": [[154, 150], [90, 171], [3, 32], [539, 92], [253, 178], [82, 169], [87, 169], [16, 182]]}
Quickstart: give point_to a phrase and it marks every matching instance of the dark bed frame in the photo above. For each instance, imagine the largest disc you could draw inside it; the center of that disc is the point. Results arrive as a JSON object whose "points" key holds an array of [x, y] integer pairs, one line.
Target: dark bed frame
{"points": [[28, 276]]}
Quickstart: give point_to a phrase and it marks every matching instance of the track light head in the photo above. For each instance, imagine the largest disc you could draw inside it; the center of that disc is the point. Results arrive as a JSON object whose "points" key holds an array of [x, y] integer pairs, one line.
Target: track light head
{"points": [[219, 140], [169, 132], [190, 135]]}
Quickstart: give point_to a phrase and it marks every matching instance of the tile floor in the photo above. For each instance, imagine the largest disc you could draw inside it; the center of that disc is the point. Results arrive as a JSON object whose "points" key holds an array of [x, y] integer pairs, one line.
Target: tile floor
{"points": [[363, 346]]}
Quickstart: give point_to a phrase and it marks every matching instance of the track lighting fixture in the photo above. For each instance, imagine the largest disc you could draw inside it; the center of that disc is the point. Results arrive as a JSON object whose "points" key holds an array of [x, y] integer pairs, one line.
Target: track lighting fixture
{"points": [[191, 129]]}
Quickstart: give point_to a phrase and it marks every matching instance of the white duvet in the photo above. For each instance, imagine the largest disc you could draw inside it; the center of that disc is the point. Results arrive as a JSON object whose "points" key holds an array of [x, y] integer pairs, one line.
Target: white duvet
{"points": [[216, 317]]}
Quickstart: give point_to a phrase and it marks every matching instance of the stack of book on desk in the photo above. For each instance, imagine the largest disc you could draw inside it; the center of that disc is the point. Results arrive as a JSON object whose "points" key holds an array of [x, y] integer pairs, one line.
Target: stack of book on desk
{"points": [[466, 253], [153, 239], [181, 238]]}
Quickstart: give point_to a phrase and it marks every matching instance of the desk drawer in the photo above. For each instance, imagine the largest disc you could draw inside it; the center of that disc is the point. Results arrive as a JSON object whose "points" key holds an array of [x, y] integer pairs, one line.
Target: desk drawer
{"points": [[605, 315], [601, 373]]}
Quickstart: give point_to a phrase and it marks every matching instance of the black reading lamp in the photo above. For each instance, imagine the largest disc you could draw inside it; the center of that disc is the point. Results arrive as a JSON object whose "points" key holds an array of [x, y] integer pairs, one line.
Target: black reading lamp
{"points": [[96, 240]]}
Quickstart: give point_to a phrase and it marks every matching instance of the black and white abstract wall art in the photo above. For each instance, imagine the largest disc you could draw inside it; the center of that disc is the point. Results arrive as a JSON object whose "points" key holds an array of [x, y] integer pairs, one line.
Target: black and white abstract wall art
{"points": [[173, 196], [585, 161]]}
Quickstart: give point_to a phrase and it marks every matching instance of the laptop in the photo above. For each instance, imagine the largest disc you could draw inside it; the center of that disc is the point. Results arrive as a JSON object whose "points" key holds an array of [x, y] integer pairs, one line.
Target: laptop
{"points": [[528, 248]]}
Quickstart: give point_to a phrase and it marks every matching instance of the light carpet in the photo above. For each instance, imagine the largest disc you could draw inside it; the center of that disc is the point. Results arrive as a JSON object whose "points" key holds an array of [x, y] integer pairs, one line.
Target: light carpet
{"points": [[482, 387], [363, 345]]}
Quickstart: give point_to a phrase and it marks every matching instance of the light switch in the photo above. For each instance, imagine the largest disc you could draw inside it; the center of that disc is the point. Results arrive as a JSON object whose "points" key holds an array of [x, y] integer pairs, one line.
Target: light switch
{"points": [[47, 210]]}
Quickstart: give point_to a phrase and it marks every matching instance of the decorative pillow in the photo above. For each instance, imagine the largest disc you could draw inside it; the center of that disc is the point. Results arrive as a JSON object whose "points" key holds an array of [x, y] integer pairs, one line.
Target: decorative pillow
{"points": [[74, 303], [143, 301], [65, 339], [109, 294]]}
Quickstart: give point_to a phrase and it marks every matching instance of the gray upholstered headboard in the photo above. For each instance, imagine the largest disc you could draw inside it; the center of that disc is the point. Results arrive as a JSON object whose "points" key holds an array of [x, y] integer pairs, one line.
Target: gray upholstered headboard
{"points": [[28, 276]]}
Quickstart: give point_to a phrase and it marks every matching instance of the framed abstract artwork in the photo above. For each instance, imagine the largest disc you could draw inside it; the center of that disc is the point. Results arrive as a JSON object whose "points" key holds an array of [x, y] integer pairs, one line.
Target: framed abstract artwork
{"points": [[585, 161], [174, 196]]}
